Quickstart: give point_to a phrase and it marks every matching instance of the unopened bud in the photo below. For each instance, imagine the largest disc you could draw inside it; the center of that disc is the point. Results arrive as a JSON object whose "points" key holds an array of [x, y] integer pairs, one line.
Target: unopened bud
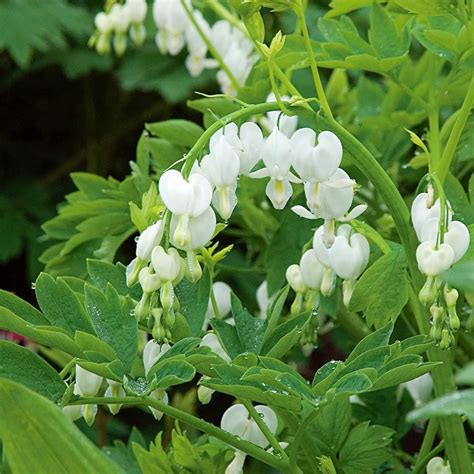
{"points": [[167, 296], [193, 270], [347, 290], [328, 283]]}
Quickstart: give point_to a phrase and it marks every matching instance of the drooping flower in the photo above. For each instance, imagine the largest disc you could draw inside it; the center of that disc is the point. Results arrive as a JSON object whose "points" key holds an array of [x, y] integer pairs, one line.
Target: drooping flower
{"points": [[210, 340], [247, 142], [222, 292], [312, 271], [423, 209], [420, 389], [457, 236], [114, 389], [137, 10], [434, 260], [152, 353], [167, 264], [185, 199], [88, 385], [171, 19], [237, 420], [148, 240], [264, 300], [275, 118], [221, 166], [276, 156], [197, 61]]}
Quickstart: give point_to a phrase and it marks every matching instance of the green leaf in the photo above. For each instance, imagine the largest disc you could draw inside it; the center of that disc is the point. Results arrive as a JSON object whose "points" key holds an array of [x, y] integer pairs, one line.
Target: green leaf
{"points": [[154, 461], [285, 336], [383, 34], [23, 366], [461, 276], [90, 343], [22, 308], [113, 322], [228, 337], [466, 375], [102, 273], [249, 329], [373, 340], [456, 403], [52, 443], [173, 372], [365, 449], [426, 7], [61, 305], [382, 291], [194, 300], [176, 131], [47, 335]]}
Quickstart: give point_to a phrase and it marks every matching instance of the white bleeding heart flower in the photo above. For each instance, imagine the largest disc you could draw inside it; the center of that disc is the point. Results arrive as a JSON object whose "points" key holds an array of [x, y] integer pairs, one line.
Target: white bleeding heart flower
{"points": [[73, 412], [457, 236], [120, 17], [210, 340], [276, 156], [103, 22], [88, 383], [317, 163], [222, 292], [237, 464], [172, 21], [247, 142], [149, 280], [221, 167], [274, 118], [137, 10], [349, 256], [312, 270], [433, 261], [420, 389], [184, 198], [114, 389], [264, 300], [160, 395], [420, 212], [438, 465], [295, 278], [152, 352], [236, 420], [167, 265], [200, 230], [148, 240]]}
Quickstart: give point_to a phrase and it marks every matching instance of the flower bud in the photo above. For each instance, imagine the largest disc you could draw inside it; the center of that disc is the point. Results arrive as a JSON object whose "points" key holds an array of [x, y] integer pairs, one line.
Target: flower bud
{"points": [[167, 297], [297, 305], [162, 396], [295, 279], [328, 283], [429, 291], [152, 354], [204, 393], [149, 239], [347, 290], [88, 413], [193, 270]]}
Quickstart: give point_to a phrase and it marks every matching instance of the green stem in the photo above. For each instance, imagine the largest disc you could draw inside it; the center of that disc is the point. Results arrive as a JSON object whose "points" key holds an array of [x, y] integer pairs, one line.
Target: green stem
{"points": [[221, 11], [434, 138], [210, 47], [428, 440], [191, 420], [312, 62], [264, 428], [458, 127], [420, 466]]}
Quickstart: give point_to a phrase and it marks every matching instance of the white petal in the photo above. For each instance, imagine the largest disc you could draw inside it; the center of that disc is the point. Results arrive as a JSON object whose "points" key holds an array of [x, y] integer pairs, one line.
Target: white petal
{"points": [[201, 229], [335, 202], [432, 261], [322, 252], [252, 142], [87, 382], [311, 270], [276, 153], [261, 173], [175, 192], [356, 212], [222, 293], [344, 260], [279, 192], [420, 213], [303, 212], [270, 419], [202, 194], [302, 144], [210, 340], [327, 155], [149, 238]]}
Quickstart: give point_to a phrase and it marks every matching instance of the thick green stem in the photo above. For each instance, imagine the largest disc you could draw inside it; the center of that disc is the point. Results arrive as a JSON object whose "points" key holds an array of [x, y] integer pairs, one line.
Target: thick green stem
{"points": [[191, 420], [420, 466], [459, 124]]}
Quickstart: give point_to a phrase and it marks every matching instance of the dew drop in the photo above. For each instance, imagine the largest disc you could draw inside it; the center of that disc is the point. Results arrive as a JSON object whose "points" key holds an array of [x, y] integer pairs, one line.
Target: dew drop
{"points": [[261, 415], [136, 239], [33, 285]]}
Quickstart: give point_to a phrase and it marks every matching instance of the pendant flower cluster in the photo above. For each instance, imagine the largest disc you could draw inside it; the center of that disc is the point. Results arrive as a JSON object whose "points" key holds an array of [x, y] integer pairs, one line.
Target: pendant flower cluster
{"points": [[443, 242], [112, 27]]}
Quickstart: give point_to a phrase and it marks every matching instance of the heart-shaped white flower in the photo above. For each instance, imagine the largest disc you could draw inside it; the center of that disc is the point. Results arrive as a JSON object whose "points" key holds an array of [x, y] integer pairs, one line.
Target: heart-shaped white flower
{"points": [[433, 261]]}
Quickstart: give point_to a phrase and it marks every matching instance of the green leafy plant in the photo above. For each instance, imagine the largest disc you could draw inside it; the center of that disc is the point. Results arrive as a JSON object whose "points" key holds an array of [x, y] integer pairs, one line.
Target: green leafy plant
{"points": [[255, 244]]}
